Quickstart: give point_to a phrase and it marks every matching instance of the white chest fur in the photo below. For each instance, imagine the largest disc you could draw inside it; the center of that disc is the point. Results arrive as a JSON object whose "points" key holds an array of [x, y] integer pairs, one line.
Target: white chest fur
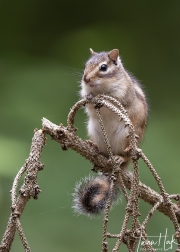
{"points": [[115, 129]]}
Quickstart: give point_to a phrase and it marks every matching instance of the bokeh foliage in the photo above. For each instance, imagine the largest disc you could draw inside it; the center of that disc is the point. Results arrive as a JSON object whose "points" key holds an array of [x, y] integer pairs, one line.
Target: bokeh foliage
{"points": [[43, 47]]}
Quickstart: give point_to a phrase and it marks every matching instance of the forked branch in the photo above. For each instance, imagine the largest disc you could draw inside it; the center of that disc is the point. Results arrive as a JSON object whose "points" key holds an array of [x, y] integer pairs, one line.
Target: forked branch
{"points": [[29, 189]]}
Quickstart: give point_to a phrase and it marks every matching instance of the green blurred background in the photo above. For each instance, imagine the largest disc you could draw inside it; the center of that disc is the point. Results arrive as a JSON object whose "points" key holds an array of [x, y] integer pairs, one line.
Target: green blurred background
{"points": [[43, 47]]}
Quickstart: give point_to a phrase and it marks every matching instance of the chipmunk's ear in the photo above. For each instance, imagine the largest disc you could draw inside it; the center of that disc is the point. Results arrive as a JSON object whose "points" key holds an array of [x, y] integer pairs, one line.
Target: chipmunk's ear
{"points": [[92, 52], [113, 55]]}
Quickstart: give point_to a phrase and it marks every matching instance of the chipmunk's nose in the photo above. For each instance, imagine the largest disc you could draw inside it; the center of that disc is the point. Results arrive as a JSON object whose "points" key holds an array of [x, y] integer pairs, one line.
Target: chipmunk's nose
{"points": [[86, 79]]}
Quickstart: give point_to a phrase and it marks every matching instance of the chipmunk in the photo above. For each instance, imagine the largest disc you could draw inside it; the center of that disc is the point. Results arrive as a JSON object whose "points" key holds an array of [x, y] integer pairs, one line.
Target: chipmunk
{"points": [[105, 74]]}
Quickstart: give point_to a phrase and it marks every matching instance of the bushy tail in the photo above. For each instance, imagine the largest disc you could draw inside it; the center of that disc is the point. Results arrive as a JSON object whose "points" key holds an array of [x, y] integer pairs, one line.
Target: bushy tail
{"points": [[91, 195]]}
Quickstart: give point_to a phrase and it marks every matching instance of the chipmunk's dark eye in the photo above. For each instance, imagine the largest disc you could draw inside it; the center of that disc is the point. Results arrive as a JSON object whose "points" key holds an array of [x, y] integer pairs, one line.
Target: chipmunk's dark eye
{"points": [[103, 67]]}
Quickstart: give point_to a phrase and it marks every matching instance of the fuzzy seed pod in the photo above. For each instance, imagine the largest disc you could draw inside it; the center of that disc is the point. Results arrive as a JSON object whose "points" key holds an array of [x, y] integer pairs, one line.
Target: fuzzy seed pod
{"points": [[91, 195]]}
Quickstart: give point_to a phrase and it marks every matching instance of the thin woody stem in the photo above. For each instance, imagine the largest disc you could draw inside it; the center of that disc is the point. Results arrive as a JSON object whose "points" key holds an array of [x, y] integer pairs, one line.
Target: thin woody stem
{"points": [[22, 236], [73, 111], [15, 184], [134, 196], [106, 217], [151, 213]]}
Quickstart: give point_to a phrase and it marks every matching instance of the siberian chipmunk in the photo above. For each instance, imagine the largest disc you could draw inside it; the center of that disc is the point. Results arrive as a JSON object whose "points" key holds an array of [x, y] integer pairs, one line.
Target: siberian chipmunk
{"points": [[105, 74]]}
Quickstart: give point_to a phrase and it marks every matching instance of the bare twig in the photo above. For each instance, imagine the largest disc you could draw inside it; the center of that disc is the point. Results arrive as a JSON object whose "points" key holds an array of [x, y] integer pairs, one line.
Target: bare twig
{"points": [[15, 184], [22, 236]]}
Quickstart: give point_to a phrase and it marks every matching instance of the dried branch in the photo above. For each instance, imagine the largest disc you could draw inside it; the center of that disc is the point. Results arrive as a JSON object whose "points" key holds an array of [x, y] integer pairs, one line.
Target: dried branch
{"points": [[133, 203], [67, 137], [29, 189]]}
